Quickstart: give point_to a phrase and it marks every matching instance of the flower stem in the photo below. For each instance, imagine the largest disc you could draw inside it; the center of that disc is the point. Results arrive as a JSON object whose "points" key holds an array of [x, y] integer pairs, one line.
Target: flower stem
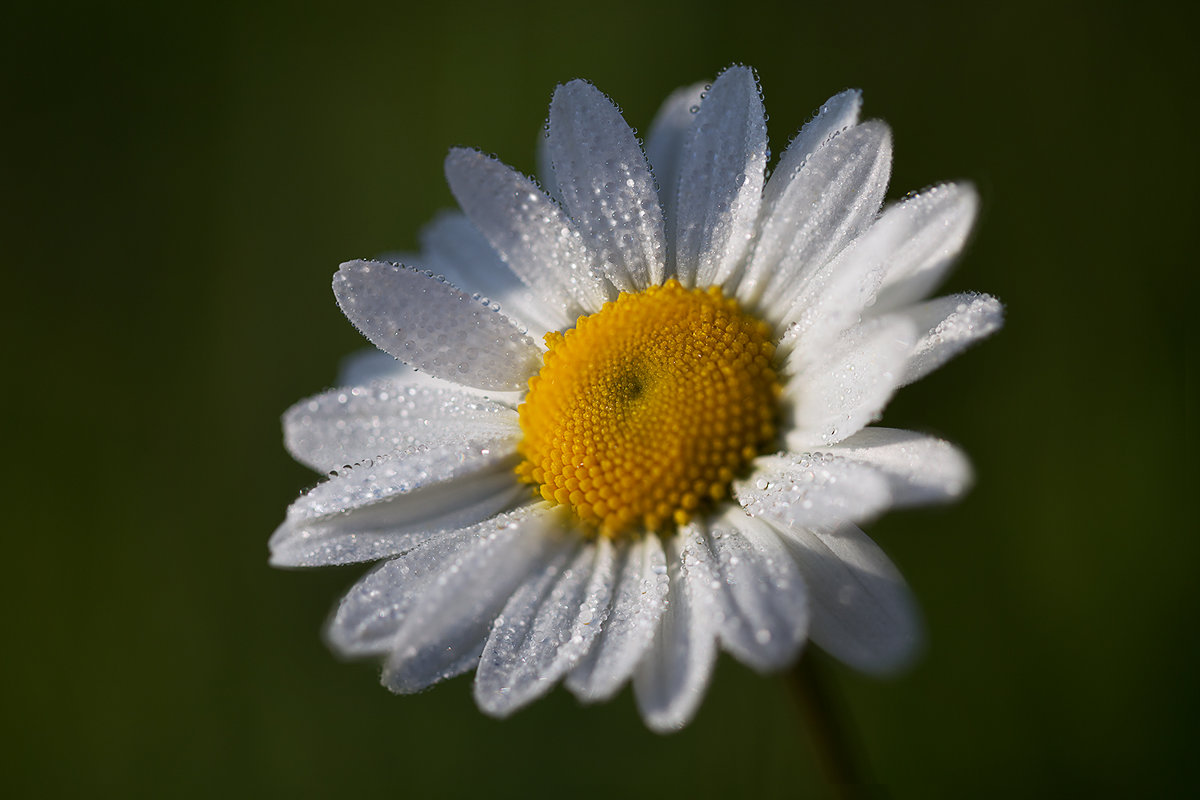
{"points": [[832, 740]]}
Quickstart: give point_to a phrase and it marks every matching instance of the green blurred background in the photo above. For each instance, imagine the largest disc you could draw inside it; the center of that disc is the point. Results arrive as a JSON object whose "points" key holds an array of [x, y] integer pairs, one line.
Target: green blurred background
{"points": [[179, 184]]}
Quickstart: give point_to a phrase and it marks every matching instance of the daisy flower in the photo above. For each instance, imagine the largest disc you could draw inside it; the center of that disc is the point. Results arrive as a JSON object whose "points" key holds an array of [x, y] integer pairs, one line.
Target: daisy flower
{"points": [[652, 442]]}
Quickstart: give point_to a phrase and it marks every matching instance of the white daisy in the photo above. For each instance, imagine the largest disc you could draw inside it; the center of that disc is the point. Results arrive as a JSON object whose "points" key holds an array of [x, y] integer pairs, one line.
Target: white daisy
{"points": [[681, 461]]}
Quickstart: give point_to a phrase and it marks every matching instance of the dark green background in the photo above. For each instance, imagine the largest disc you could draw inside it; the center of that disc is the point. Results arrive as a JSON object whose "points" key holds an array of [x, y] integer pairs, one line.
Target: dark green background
{"points": [[179, 183]]}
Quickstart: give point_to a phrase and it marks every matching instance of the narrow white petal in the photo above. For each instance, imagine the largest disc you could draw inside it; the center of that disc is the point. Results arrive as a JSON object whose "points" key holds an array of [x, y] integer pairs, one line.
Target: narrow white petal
{"points": [[406, 472], [390, 504], [606, 185], [359, 538], [871, 471], [543, 631], [832, 298], [628, 629], [855, 479], [530, 231], [664, 147], [949, 325], [345, 426], [455, 248], [370, 364], [862, 611], [824, 203], [934, 226], [837, 115], [407, 258], [545, 169], [429, 324], [368, 617], [766, 619], [721, 180], [445, 628], [501, 672], [836, 393], [802, 489], [394, 526], [919, 469], [669, 682]]}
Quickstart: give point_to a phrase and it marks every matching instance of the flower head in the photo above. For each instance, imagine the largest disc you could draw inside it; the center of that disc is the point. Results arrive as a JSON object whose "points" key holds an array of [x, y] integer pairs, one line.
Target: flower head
{"points": [[660, 444]]}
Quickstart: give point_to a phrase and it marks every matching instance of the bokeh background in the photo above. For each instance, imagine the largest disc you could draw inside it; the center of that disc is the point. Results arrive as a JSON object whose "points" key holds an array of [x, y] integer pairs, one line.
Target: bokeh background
{"points": [[181, 180]]}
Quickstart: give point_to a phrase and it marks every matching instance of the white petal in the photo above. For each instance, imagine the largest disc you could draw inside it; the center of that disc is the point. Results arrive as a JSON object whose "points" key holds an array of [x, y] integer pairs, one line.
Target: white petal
{"points": [[606, 185], [444, 630], [665, 143], [829, 299], [629, 627], [823, 205], [876, 469], [543, 631], [919, 469], [405, 473], [455, 248], [344, 426], [949, 325], [721, 180], [356, 540], [407, 258], [500, 671], [832, 298], [429, 324], [835, 393], [390, 504], [862, 611], [670, 681], [371, 364], [372, 611], [545, 170], [529, 230], [837, 115], [766, 617], [802, 489], [934, 226]]}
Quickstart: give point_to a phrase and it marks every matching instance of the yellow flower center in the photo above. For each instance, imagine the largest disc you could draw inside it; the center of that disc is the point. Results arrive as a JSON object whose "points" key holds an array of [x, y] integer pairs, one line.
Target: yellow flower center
{"points": [[645, 411]]}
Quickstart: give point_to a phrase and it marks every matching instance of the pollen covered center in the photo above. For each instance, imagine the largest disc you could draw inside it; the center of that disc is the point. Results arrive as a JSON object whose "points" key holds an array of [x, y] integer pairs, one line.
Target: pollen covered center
{"points": [[645, 411]]}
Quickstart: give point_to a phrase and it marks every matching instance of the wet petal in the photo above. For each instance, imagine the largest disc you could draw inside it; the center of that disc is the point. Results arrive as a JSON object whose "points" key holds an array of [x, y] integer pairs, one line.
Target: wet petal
{"points": [[545, 170], [544, 629], [606, 185], [664, 148], [947, 326], [919, 469], [766, 619], [836, 115], [638, 600], [823, 205], [721, 180], [934, 226], [429, 324], [390, 504], [456, 249], [530, 231], [813, 489], [344, 426], [444, 630], [669, 682], [370, 364], [904, 251], [836, 393], [368, 617], [862, 611]]}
